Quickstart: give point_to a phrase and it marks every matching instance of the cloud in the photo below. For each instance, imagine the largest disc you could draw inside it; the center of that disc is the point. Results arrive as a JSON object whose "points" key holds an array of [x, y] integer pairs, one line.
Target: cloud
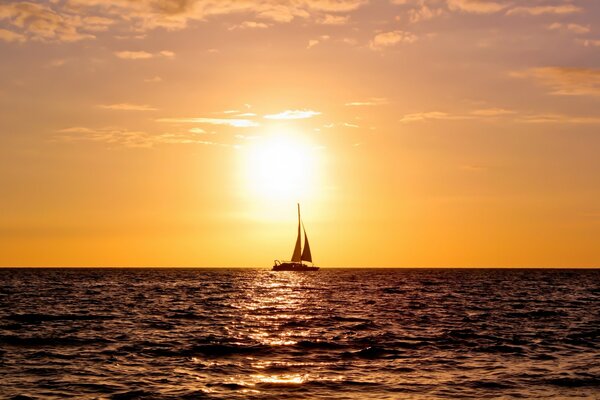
{"points": [[154, 79], [541, 10], [133, 55], [373, 101], [166, 53], [329, 19], [476, 6], [198, 131], [423, 13], [249, 25], [334, 5], [590, 42], [10, 36], [145, 15], [143, 55], [97, 24], [314, 42], [234, 122], [128, 138], [480, 114], [491, 112], [575, 28], [424, 116], [39, 22], [293, 114], [127, 107], [387, 39], [558, 119], [566, 81]]}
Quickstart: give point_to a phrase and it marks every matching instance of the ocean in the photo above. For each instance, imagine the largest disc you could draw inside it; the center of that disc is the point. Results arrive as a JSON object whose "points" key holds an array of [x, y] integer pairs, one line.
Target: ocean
{"points": [[333, 334]]}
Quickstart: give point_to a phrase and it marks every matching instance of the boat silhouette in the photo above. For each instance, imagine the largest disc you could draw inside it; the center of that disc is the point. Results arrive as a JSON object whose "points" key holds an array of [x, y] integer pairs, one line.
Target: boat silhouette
{"points": [[300, 254]]}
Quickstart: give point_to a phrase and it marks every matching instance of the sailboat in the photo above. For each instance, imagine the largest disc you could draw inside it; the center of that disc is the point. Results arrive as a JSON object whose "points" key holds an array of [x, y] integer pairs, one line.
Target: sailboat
{"points": [[300, 254]]}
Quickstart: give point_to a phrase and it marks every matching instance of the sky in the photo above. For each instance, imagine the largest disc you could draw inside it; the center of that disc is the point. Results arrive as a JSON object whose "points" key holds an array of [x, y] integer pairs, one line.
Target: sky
{"points": [[414, 133]]}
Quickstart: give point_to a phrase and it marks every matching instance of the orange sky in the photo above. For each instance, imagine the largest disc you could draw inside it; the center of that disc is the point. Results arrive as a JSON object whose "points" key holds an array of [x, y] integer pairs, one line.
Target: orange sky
{"points": [[413, 132]]}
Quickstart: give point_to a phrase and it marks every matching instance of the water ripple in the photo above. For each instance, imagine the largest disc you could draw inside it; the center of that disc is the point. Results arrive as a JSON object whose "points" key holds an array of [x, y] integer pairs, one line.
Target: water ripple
{"points": [[344, 334]]}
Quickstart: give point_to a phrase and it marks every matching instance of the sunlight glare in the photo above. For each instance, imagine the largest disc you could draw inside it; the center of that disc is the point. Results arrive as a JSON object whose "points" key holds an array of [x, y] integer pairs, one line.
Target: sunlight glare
{"points": [[281, 166]]}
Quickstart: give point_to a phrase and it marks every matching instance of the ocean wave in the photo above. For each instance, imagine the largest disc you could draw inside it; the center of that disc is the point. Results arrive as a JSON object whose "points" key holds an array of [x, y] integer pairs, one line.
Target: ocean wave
{"points": [[592, 381], [37, 318], [317, 344], [252, 334], [371, 352], [42, 341]]}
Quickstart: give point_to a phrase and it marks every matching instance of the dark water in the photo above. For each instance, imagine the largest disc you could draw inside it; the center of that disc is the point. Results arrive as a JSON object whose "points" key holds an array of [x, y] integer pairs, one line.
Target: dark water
{"points": [[337, 334]]}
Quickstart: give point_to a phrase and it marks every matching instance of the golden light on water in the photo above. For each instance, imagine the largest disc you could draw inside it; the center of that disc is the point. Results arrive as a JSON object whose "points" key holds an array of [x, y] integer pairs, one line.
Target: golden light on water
{"points": [[285, 379]]}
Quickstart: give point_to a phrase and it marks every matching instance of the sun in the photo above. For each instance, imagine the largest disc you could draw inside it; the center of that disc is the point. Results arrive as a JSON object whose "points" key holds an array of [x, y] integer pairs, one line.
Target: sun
{"points": [[282, 165]]}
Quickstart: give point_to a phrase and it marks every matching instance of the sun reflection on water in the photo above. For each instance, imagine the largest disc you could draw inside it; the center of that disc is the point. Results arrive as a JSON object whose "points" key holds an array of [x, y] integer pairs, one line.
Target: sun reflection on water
{"points": [[289, 379]]}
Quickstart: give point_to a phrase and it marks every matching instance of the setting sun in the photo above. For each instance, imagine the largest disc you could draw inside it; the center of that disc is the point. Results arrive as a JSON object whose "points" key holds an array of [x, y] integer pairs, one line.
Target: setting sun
{"points": [[282, 165]]}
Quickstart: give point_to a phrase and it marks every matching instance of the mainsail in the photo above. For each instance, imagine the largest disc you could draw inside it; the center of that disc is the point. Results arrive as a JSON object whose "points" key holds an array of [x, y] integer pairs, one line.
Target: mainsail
{"points": [[301, 254], [296, 257], [306, 256]]}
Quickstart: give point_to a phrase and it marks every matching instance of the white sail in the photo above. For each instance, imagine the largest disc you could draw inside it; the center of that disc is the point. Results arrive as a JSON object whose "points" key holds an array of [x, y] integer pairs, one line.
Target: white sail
{"points": [[306, 256], [296, 257]]}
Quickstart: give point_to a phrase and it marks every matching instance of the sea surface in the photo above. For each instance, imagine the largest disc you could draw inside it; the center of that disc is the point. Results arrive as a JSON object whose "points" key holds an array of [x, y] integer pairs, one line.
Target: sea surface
{"points": [[333, 334]]}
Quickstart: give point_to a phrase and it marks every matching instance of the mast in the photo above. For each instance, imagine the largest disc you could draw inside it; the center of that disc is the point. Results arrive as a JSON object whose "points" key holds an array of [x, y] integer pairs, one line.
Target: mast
{"points": [[297, 256], [299, 223]]}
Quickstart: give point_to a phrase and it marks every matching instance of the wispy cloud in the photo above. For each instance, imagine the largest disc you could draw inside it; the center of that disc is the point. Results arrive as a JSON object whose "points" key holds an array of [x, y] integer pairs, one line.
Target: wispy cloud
{"points": [[541, 10], [558, 119], [590, 42], [426, 116], [499, 114], [127, 107], [330, 19], [143, 55], [40, 22], [249, 25], [491, 112], [476, 6], [67, 21], [392, 38], [314, 42], [10, 36], [566, 81], [128, 138], [575, 28], [293, 114], [423, 13], [235, 122], [198, 131], [373, 101]]}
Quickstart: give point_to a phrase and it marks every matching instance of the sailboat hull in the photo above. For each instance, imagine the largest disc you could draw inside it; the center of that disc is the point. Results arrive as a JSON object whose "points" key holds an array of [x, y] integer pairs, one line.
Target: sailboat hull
{"points": [[292, 266]]}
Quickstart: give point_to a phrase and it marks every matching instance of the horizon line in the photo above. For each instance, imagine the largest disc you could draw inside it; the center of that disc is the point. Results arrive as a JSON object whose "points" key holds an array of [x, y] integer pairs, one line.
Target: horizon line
{"points": [[268, 268]]}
